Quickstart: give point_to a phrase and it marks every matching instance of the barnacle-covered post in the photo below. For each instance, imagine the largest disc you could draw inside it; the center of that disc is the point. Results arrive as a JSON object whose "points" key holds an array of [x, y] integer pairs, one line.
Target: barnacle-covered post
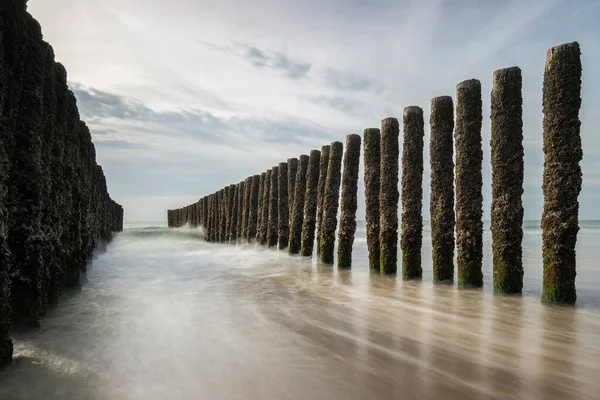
{"points": [[331, 202], [441, 202], [349, 201], [310, 204], [372, 159], [283, 208], [388, 196], [298, 211], [562, 172], [469, 183], [507, 180], [412, 193], [323, 164], [273, 208]]}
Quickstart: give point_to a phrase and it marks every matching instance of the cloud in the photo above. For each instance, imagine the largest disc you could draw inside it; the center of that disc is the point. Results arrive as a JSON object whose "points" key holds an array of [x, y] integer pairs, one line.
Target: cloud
{"points": [[348, 81], [274, 60], [342, 104]]}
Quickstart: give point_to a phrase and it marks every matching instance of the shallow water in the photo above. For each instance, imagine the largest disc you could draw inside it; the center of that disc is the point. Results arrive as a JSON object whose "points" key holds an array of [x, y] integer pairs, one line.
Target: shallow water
{"points": [[165, 315]]}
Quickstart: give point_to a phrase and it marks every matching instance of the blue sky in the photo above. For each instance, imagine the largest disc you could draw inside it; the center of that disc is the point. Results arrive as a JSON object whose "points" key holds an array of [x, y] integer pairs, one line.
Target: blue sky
{"points": [[184, 96]]}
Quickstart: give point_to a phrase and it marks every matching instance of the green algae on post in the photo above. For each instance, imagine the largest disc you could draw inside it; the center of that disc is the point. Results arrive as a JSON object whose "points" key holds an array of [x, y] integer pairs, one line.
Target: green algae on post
{"points": [[310, 204], [298, 209], [388, 197], [372, 159], [283, 226], [562, 172], [441, 204], [507, 180], [349, 204], [469, 184], [321, 192], [411, 238], [273, 208], [331, 202]]}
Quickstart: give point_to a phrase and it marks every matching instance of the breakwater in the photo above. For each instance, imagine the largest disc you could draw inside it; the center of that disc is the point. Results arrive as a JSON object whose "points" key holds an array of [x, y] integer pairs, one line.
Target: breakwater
{"points": [[54, 204], [456, 202]]}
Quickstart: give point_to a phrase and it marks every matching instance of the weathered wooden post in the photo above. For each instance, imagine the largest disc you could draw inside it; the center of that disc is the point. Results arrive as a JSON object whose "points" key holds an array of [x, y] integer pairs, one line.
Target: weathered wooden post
{"points": [[273, 208], [210, 220], [283, 231], [562, 172], [441, 204], [507, 180], [388, 196], [349, 201], [253, 213], [292, 170], [298, 210], [231, 220], [234, 213], [240, 209], [246, 207], [372, 161], [226, 214], [259, 212], [469, 182], [411, 238], [264, 228], [223, 216], [331, 202], [310, 204], [323, 164]]}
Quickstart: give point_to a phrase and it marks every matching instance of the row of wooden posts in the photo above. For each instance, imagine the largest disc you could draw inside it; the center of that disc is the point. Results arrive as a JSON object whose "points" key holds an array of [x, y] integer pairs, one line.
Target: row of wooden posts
{"points": [[283, 206], [55, 207]]}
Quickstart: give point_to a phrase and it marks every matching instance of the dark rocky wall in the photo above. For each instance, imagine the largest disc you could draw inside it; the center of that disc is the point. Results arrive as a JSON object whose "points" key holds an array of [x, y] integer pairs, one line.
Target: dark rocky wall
{"points": [[54, 204]]}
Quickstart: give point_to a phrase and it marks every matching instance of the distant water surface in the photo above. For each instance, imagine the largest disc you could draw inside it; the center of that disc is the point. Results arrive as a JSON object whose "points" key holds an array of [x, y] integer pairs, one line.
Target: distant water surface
{"points": [[165, 315]]}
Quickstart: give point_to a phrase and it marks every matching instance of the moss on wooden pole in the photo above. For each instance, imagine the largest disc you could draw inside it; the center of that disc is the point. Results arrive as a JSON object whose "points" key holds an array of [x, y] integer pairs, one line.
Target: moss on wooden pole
{"points": [[273, 208], [469, 183], [323, 164], [298, 210], [349, 203], [264, 227], [331, 203], [223, 216], [388, 196], [283, 224], [253, 213], [562, 173], [234, 214], [372, 167], [411, 238], [261, 196], [292, 170], [507, 180], [310, 204], [232, 217], [441, 202], [227, 213]]}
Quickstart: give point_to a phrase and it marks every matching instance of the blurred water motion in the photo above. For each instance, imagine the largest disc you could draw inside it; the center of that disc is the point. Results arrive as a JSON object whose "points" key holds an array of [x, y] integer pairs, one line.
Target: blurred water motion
{"points": [[165, 315]]}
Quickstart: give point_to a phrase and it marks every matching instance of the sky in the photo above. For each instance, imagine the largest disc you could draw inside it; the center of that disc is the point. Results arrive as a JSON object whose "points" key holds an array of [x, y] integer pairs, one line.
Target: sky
{"points": [[184, 97]]}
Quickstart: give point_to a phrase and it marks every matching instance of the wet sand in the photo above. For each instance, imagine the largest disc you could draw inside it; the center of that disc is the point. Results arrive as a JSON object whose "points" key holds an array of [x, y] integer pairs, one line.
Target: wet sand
{"points": [[165, 315]]}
